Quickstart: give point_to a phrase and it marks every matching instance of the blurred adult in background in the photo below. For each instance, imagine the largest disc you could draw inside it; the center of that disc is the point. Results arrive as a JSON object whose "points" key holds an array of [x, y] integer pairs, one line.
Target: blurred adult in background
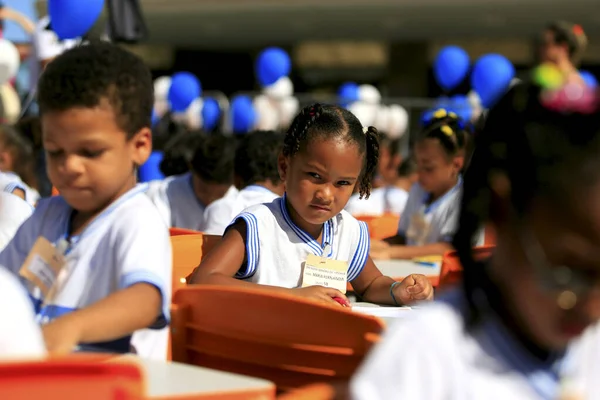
{"points": [[563, 44]]}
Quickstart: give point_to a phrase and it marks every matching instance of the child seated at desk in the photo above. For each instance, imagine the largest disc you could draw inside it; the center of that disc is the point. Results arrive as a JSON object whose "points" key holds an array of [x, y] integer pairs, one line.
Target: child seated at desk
{"points": [[280, 245], [429, 220], [182, 199], [96, 259], [525, 324], [255, 169]]}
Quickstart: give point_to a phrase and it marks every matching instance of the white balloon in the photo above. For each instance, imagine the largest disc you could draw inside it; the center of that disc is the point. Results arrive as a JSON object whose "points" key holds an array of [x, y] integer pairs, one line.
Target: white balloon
{"points": [[267, 112], [281, 89], [161, 87], [365, 112], [398, 121], [161, 107], [475, 102], [382, 118], [369, 94], [193, 114], [288, 108], [11, 103], [9, 60]]}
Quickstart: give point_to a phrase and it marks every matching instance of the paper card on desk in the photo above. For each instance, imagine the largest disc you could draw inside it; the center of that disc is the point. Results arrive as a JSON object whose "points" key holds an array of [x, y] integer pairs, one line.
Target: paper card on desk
{"points": [[319, 271], [383, 312]]}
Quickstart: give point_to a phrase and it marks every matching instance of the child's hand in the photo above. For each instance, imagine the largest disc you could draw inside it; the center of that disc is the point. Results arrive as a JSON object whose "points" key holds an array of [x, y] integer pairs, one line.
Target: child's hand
{"points": [[323, 295], [377, 245], [61, 336], [413, 288]]}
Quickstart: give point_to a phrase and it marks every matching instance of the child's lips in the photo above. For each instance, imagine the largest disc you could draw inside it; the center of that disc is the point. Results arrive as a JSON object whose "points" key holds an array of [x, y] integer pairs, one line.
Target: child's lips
{"points": [[320, 208]]}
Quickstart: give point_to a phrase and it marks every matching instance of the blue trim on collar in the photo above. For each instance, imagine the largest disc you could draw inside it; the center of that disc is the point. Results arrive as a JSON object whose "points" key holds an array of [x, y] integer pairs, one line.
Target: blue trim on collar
{"points": [[315, 247]]}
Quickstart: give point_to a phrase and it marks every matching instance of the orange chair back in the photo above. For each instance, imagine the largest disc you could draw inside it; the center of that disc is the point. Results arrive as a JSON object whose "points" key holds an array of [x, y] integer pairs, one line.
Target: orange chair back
{"points": [[318, 391], [188, 249], [381, 227], [55, 191], [71, 378], [451, 269], [287, 340]]}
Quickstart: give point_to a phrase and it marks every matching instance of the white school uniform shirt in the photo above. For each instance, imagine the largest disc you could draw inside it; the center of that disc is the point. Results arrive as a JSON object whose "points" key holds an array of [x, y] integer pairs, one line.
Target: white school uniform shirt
{"points": [[13, 212], [9, 182], [219, 214], [20, 335], [384, 200], [177, 203], [437, 222], [126, 244], [276, 248], [431, 356]]}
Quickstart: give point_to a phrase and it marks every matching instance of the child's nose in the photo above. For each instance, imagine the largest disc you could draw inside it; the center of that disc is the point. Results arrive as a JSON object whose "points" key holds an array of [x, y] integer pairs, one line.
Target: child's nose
{"points": [[325, 193], [72, 165]]}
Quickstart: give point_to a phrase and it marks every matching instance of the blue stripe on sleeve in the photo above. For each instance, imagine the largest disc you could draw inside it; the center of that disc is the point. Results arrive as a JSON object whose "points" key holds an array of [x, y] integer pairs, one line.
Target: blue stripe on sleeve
{"points": [[362, 252], [252, 246]]}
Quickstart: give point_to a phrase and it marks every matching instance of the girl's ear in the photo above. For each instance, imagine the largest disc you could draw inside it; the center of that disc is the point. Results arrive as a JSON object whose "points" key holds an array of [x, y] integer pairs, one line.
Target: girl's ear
{"points": [[458, 163], [282, 166], [6, 161]]}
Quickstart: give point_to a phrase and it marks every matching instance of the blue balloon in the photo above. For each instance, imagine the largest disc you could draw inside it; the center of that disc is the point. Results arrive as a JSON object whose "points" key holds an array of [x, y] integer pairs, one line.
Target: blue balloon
{"points": [[348, 93], [451, 66], [211, 113], [71, 19], [273, 63], [461, 106], [491, 78], [242, 113], [427, 116], [589, 79], [185, 88], [150, 170]]}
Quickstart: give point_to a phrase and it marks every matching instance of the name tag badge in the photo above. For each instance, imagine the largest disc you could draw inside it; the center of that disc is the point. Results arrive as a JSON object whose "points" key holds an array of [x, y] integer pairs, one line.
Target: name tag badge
{"points": [[43, 264], [319, 271]]}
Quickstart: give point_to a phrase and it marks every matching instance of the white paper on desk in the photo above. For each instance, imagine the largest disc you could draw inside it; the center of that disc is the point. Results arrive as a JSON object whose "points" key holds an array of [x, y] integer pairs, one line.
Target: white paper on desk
{"points": [[383, 312]]}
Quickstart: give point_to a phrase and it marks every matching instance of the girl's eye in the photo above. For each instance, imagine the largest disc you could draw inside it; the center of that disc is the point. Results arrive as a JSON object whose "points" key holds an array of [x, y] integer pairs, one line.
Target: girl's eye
{"points": [[314, 175], [53, 153], [343, 183]]}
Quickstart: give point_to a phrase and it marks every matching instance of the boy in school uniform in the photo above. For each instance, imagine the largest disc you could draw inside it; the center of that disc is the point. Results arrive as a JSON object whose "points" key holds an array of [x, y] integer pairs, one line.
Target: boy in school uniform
{"points": [[256, 174], [182, 199], [96, 260]]}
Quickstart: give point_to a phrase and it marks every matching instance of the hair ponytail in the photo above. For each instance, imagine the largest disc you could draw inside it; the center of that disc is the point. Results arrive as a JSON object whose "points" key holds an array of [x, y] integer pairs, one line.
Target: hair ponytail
{"points": [[372, 159]]}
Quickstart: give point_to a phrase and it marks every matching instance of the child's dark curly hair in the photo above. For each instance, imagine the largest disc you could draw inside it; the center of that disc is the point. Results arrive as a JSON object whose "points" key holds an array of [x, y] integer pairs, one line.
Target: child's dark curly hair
{"points": [[449, 130], [86, 75], [327, 121], [541, 153], [256, 157], [213, 158]]}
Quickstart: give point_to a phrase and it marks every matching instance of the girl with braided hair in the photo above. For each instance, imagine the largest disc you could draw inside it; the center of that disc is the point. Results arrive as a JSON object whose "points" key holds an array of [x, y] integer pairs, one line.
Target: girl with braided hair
{"points": [[525, 323], [304, 243], [430, 217]]}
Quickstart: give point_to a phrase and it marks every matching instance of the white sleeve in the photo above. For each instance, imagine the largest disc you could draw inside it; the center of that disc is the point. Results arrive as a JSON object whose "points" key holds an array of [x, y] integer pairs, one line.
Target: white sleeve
{"points": [[217, 217], [157, 192], [361, 255], [252, 245], [402, 366], [14, 254], [412, 206], [449, 225], [20, 335], [143, 255], [13, 213]]}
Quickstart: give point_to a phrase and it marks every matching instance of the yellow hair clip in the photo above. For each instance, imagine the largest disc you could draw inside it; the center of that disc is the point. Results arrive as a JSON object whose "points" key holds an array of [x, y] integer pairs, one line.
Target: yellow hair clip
{"points": [[441, 113], [452, 115], [447, 130]]}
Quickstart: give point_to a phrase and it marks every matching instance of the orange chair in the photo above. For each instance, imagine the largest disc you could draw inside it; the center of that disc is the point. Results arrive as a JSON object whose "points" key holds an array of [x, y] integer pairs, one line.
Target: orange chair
{"points": [[451, 270], [55, 191], [188, 249], [318, 391], [287, 340], [381, 227], [71, 378]]}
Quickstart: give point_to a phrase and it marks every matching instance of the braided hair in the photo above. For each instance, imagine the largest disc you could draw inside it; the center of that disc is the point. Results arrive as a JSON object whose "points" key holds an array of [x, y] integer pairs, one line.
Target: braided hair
{"points": [[327, 121], [541, 153], [449, 130]]}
